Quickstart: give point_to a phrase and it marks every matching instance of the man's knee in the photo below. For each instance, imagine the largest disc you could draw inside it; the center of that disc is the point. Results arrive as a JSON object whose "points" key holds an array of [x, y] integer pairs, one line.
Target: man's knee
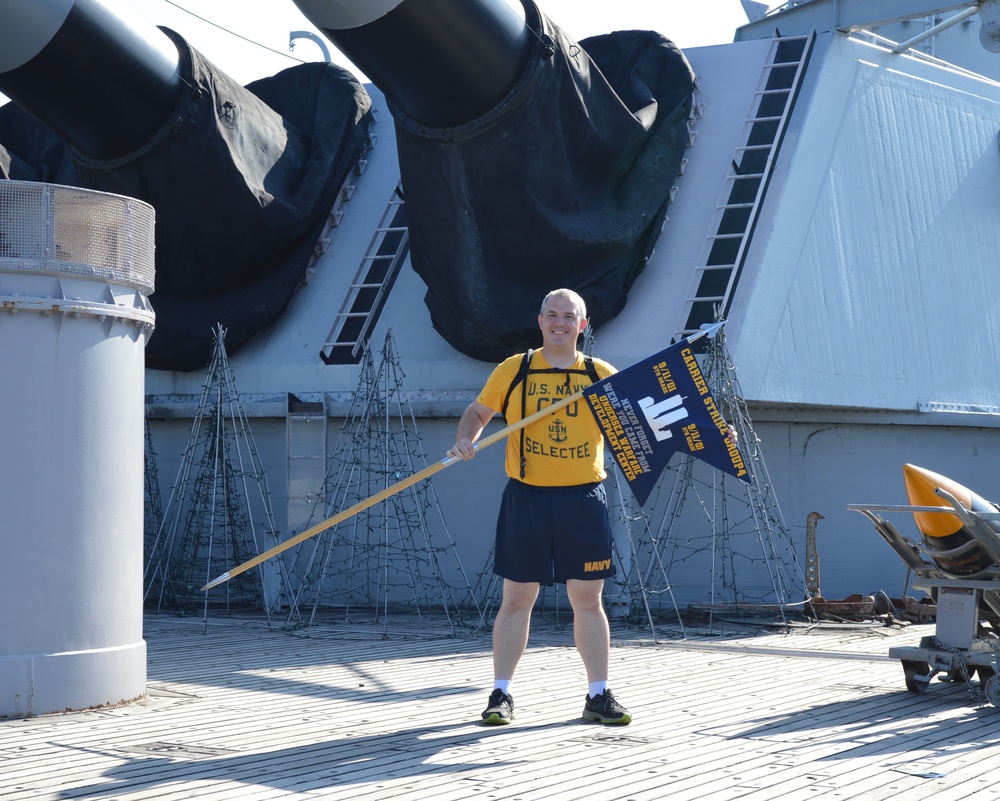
{"points": [[518, 596], [585, 595]]}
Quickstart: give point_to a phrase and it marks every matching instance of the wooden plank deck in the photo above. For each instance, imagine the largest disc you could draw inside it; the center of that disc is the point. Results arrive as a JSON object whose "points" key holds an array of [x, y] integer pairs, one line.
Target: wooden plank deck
{"points": [[356, 711]]}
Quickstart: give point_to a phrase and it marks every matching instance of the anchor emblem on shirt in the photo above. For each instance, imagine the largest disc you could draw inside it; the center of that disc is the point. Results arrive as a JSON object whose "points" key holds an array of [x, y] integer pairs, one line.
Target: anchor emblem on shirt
{"points": [[557, 431]]}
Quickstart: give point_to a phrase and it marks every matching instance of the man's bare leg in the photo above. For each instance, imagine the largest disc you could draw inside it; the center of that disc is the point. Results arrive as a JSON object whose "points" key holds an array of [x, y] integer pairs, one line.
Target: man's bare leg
{"points": [[593, 641], [510, 628], [510, 638], [590, 626]]}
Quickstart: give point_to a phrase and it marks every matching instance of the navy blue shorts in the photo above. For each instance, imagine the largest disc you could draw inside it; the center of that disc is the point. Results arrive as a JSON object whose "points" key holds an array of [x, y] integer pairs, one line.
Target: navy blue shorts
{"points": [[551, 534]]}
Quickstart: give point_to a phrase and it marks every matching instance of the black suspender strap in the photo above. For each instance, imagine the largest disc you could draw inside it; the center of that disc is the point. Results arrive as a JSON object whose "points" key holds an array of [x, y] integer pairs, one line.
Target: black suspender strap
{"points": [[525, 368], [521, 375]]}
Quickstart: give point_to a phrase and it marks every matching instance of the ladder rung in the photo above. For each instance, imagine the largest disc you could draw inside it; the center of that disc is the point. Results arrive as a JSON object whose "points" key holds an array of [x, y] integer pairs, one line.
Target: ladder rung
{"points": [[710, 268]]}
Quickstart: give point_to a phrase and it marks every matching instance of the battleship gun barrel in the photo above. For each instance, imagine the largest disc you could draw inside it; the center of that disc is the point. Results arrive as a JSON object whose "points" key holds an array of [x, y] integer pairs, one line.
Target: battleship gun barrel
{"points": [[411, 48], [241, 178], [105, 102]]}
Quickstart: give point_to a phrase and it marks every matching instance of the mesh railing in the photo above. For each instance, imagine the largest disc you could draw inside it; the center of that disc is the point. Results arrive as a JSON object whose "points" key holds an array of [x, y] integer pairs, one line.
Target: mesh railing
{"points": [[47, 228]]}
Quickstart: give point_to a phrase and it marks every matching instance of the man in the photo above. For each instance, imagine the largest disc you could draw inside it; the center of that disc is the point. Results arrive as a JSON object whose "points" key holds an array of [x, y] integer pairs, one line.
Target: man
{"points": [[553, 524]]}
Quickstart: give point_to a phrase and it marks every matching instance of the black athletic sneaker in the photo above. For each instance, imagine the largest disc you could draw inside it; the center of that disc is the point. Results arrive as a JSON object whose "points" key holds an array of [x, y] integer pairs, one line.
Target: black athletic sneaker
{"points": [[500, 709], [605, 709]]}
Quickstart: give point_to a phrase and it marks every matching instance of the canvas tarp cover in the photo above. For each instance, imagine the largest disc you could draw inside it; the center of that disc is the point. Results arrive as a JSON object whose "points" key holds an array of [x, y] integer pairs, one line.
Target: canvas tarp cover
{"points": [[242, 181], [564, 184]]}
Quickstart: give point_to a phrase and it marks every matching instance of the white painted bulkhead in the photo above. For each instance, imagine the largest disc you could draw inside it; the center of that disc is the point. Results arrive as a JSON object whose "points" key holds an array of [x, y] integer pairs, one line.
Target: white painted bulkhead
{"points": [[867, 317]]}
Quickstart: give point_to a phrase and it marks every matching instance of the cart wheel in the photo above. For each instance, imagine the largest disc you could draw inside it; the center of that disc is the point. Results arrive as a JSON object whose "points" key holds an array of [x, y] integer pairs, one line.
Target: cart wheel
{"points": [[992, 690], [916, 674]]}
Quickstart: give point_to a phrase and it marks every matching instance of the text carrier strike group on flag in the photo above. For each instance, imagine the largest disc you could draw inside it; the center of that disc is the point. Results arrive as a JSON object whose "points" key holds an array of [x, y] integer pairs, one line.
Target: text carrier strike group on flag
{"points": [[657, 406]]}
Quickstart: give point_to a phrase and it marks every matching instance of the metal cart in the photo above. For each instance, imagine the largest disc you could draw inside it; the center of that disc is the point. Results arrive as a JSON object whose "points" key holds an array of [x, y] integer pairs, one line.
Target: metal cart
{"points": [[966, 641]]}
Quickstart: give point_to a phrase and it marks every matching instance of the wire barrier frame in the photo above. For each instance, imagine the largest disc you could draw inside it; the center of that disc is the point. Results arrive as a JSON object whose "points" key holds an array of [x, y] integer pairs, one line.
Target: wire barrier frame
{"points": [[728, 532], [152, 500], [395, 553], [219, 513]]}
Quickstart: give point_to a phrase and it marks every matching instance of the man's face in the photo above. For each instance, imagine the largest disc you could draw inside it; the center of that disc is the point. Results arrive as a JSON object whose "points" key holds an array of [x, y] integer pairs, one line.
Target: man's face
{"points": [[560, 322]]}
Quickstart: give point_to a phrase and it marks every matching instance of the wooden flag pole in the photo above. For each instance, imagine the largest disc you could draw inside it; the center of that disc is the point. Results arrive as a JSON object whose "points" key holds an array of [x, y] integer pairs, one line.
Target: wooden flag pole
{"points": [[427, 472]]}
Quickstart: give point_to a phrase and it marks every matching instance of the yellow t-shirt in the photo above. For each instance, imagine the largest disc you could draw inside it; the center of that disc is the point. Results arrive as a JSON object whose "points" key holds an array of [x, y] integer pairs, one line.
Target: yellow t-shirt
{"points": [[565, 448]]}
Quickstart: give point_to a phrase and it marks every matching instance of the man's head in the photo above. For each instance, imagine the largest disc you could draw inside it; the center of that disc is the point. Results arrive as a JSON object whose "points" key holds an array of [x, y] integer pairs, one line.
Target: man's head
{"points": [[562, 319], [570, 295]]}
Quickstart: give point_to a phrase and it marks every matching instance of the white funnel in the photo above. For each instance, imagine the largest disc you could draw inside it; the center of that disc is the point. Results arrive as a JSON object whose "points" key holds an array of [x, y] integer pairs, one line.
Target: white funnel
{"points": [[75, 269]]}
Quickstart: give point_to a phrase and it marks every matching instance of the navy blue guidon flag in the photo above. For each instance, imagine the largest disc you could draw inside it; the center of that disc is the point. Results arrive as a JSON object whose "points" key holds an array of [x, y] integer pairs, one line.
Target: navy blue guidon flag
{"points": [[656, 407]]}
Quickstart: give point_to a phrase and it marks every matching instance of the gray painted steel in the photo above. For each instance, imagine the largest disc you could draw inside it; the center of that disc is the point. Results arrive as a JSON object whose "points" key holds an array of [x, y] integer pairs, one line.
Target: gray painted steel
{"points": [[74, 319]]}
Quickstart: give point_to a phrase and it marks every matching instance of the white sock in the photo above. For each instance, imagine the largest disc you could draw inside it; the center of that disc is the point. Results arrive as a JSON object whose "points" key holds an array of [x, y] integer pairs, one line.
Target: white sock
{"points": [[597, 688], [502, 684]]}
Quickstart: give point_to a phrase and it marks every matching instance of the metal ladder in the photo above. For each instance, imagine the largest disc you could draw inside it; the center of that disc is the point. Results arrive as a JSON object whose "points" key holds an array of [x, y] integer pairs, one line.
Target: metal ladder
{"points": [[368, 291], [721, 259]]}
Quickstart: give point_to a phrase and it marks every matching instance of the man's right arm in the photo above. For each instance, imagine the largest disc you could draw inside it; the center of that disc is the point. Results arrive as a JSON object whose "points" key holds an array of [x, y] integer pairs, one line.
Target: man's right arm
{"points": [[474, 420]]}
